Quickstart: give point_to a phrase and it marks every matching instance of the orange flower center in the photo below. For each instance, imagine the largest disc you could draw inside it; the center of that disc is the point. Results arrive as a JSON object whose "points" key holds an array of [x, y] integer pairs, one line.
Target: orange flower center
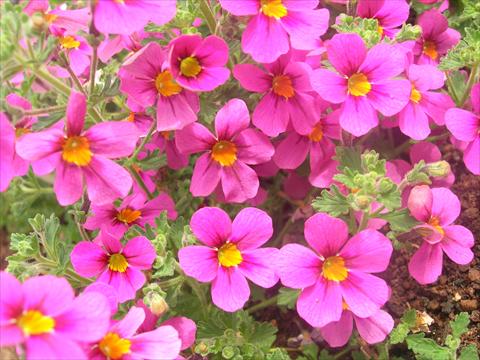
{"points": [[166, 85], [358, 85], [33, 322], [435, 223], [167, 135], [114, 347], [430, 49], [131, 117], [282, 86], [229, 255], [50, 18], [224, 152], [190, 67], [273, 8], [415, 95], [128, 216], [380, 30], [317, 133], [69, 42], [19, 131], [334, 269], [117, 262], [76, 150]]}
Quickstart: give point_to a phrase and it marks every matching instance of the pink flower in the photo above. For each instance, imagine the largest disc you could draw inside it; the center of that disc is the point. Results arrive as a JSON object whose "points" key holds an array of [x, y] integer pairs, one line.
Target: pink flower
{"points": [[363, 84], [134, 210], [372, 329], [147, 81], [231, 254], [44, 315], [199, 64], [78, 52], [165, 141], [227, 154], [287, 95], [125, 17], [275, 24], [132, 42], [424, 105], [437, 209], [139, 117], [122, 341], [80, 156], [437, 38], [465, 126], [390, 14], [337, 272], [117, 265]]}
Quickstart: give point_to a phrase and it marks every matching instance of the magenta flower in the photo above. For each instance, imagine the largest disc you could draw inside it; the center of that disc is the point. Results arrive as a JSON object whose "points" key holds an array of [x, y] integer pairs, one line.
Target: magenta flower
{"points": [[231, 254], [424, 105], [139, 117], [437, 38], [363, 84], [465, 126], [43, 315], [339, 271], [117, 265], [134, 210], [227, 154], [372, 329], [437, 209], [275, 24], [199, 64], [165, 141], [125, 16], [287, 95], [147, 81], [78, 52], [80, 156], [390, 14], [122, 341]]}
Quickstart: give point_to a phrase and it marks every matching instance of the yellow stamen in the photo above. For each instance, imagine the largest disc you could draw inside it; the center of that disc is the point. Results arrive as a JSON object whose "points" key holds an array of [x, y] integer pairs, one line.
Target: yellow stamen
{"points": [[131, 117], [415, 95], [113, 346], [117, 262], [224, 152], [229, 255], [334, 268], [166, 85], [76, 150], [33, 322], [282, 86], [344, 305], [128, 215], [435, 223], [380, 30], [167, 135], [69, 42], [273, 8], [190, 67], [19, 131], [317, 133], [430, 49], [358, 85], [50, 18]]}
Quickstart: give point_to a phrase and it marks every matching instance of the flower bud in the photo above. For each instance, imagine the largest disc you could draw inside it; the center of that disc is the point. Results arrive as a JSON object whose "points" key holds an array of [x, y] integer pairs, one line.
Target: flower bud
{"points": [[438, 168], [39, 23], [156, 303], [362, 202]]}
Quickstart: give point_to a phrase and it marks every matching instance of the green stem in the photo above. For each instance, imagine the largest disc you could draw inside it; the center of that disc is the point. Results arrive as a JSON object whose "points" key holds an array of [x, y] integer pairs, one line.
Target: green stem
{"points": [[140, 182], [145, 140], [344, 352], [47, 110], [470, 82], [263, 304], [209, 16], [93, 69], [377, 212], [74, 77], [453, 92], [363, 222]]}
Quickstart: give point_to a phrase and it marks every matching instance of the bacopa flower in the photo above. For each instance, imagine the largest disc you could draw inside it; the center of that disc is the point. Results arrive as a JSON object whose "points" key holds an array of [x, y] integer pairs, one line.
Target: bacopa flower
{"points": [[126, 17], [231, 254], [227, 154], [78, 52], [338, 272], [121, 341], [199, 64], [76, 155], [117, 265], [43, 315], [424, 105], [363, 84], [275, 24], [437, 38], [147, 80], [134, 210], [139, 117], [437, 209], [165, 141], [389, 14], [287, 99], [465, 126]]}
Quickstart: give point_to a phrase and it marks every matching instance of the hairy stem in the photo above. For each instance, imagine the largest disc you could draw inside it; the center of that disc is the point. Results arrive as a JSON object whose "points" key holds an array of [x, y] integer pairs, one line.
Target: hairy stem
{"points": [[263, 304]]}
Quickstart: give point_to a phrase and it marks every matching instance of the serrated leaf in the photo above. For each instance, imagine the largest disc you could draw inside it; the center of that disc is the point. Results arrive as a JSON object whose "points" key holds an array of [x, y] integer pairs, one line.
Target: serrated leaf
{"points": [[459, 326], [332, 202], [399, 220], [469, 352], [426, 348], [287, 297]]}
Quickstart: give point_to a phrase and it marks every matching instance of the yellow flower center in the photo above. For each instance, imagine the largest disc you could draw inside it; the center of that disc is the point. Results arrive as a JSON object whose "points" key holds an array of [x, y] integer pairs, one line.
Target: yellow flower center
{"points": [[190, 67], [334, 268], [317, 133], [344, 305], [69, 42], [282, 86], [430, 49], [19, 131], [358, 85], [435, 223], [117, 262], [224, 152], [76, 150], [131, 117], [113, 346], [33, 322], [415, 95], [128, 215], [380, 30], [166, 85], [50, 18], [273, 8], [229, 255]]}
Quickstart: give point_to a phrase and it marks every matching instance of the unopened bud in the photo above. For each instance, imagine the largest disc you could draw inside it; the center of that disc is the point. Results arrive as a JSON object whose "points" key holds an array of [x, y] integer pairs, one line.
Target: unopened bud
{"points": [[156, 303], [438, 168], [362, 202], [38, 22]]}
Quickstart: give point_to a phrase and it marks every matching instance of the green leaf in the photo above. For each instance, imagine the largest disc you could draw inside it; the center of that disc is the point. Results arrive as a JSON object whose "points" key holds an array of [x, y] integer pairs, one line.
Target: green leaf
{"points": [[400, 332], [416, 175], [288, 297], [469, 352], [399, 220], [460, 325], [332, 202], [426, 348]]}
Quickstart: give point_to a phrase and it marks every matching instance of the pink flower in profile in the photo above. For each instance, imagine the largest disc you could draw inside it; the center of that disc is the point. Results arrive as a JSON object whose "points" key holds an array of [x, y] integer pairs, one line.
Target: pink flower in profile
{"points": [[437, 38], [227, 155], [44, 316], [288, 95], [230, 254], [372, 329], [199, 64], [437, 209], [277, 24], [147, 80], [134, 210], [117, 265], [165, 141], [465, 126], [338, 272], [78, 52], [364, 83], [125, 16], [390, 14], [122, 340], [139, 117], [80, 156]]}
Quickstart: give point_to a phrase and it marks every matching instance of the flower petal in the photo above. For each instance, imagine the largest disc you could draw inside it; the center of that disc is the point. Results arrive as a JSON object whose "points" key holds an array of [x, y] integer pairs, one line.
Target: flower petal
{"points": [[211, 225], [88, 259], [425, 266], [230, 289], [326, 234], [298, 266], [251, 228], [457, 244], [257, 266], [199, 262]]}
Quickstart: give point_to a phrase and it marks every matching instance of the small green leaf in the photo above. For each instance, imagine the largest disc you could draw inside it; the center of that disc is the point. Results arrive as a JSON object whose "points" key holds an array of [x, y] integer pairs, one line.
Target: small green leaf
{"points": [[332, 202], [469, 352], [460, 324], [426, 348], [399, 220]]}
